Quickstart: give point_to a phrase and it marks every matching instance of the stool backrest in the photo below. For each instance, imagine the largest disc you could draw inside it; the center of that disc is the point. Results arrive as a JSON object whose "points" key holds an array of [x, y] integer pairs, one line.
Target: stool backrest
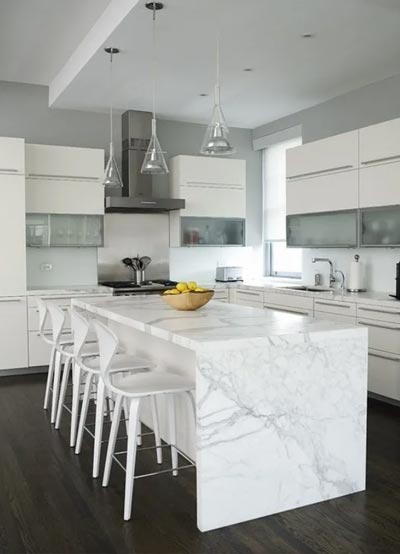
{"points": [[43, 310], [57, 316], [108, 345], [80, 330]]}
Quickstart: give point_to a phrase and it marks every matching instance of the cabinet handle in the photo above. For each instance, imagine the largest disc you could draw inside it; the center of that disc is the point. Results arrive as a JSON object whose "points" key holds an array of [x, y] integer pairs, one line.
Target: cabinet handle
{"points": [[384, 356], [205, 184], [300, 312], [50, 333], [319, 172], [147, 202], [378, 311], [11, 299], [332, 304], [8, 170], [64, 309], [66, 177], [385, 159], [389, 327], [249, 293]]}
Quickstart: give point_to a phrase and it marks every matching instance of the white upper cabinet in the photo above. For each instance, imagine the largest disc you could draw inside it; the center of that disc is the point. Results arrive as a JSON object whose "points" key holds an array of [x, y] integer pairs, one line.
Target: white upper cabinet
{"points": [[324, 193], [380, 185], [211, 187], [64, 180], [333, 154], [12, 156], [64, 162], [12, 234], [380, 143]]}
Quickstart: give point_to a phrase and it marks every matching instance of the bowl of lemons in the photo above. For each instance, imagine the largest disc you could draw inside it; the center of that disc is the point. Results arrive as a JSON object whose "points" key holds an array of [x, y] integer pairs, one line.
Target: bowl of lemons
{"points": [[187, 296]]}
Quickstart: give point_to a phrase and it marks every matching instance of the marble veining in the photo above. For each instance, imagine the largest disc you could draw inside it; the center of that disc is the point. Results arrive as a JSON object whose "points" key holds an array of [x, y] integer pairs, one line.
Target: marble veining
{"points": [[280, 402]]}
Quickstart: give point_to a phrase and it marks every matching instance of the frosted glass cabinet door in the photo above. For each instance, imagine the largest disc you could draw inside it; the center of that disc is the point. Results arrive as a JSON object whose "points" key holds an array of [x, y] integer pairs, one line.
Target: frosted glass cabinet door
{"points": [[64, 230], [331, 229], [211, 231], [380, 226]]}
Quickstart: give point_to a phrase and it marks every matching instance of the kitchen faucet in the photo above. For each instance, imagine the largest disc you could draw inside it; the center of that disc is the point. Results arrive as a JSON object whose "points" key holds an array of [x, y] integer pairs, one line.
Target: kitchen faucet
{"points": [[332, 278]]}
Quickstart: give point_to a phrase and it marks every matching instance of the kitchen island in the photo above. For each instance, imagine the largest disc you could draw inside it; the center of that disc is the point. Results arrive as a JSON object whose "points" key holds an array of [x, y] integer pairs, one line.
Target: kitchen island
{"points": [[280, 401]]}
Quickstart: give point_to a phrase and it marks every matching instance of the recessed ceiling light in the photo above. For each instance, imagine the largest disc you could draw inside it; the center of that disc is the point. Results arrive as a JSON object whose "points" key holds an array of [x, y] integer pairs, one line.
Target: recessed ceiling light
{"points": [[248, 69], [308, 35]]}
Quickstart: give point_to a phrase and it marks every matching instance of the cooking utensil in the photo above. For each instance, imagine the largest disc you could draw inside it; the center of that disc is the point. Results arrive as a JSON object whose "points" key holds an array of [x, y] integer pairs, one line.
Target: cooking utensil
{"points": [[136, 263], [145, 261], [128, 263]]}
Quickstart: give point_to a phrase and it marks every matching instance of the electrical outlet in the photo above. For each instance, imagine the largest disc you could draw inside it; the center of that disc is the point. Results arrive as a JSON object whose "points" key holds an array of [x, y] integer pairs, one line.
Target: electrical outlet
{"points": [[46, 267]]}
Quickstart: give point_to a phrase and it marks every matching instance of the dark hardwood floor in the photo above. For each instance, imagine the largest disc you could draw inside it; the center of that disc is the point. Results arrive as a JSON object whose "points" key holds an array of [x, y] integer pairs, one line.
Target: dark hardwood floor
{"points": [[50, 504]]}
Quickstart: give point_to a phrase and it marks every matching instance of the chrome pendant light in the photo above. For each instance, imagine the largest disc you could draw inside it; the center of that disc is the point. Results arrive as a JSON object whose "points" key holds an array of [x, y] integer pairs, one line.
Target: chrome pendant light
{"points": [[112, 178], [154, 160], [216, 141]]}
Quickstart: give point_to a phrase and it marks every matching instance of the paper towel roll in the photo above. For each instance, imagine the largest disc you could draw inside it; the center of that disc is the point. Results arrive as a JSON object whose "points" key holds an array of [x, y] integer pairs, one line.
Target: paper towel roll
{"points": [[356, 280]]}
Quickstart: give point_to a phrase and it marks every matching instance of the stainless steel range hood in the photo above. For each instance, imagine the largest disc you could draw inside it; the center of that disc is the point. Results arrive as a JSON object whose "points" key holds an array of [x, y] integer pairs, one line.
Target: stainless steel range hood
{"points": [[137, 188]]}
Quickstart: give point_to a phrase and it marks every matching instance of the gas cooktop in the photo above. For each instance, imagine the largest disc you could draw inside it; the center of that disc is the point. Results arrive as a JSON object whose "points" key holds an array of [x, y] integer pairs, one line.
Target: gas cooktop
{"points": [[130, 287]]}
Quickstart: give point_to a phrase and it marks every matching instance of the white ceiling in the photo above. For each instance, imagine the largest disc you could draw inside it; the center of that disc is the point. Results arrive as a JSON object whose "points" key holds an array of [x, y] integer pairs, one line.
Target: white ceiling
{"points": [[38, 36], [356, 42]]}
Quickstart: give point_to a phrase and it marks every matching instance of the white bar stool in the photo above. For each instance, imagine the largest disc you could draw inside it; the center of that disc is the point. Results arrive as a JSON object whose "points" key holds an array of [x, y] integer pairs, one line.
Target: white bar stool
{"points": [[48, 337], [121, 363], [133, 389]]}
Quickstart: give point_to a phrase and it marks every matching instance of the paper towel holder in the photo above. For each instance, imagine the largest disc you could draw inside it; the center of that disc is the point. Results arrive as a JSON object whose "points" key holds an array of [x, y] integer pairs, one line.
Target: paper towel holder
{"points": [[356, 259]]}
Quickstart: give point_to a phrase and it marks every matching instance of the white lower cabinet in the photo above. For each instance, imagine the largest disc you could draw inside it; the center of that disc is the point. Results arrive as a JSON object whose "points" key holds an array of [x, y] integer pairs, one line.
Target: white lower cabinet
{"points": [[251, 298], [221, 294], [13, 333], [289, 303], [384, 374]]}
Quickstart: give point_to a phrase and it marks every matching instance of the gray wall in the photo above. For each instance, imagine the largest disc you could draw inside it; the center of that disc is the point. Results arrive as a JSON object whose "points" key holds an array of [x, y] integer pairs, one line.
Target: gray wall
{"points": [[365, 106], [186, 138], [24, 113]]}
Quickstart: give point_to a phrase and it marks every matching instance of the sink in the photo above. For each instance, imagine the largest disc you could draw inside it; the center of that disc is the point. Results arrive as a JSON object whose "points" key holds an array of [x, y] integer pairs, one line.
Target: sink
{"points": [[307, 289]]}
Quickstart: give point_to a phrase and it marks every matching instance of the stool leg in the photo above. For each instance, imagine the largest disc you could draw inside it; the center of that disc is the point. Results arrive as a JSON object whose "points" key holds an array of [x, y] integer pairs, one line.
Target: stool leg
{"points": [[85, 405], [98, 430], [156, 427], [172, 432], [112, 439], [63, 389], [49, 378], [56, 386], [131, 456], [76, 389]]}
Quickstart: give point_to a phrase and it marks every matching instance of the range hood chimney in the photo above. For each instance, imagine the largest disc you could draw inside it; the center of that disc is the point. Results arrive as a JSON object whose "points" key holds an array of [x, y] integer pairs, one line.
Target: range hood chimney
{"points": [[137, 195]]}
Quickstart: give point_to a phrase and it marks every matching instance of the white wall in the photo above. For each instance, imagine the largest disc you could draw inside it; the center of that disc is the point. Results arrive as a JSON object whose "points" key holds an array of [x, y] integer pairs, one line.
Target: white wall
{"points": [[126, 235], [379, 265], [200, 263], [71, 266]]}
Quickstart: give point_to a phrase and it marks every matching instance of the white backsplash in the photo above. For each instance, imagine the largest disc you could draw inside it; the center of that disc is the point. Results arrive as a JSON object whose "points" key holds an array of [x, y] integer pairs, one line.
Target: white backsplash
{"points": [[379, 265], [70, 267], [200, 263]]}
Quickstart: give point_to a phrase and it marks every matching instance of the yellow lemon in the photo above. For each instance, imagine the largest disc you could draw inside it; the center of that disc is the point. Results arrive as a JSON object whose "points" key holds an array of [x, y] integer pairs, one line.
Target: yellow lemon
{"points": [[174, 291], [199, 289], [167, 292], [192, 285], [181, 287], [186, 291]]}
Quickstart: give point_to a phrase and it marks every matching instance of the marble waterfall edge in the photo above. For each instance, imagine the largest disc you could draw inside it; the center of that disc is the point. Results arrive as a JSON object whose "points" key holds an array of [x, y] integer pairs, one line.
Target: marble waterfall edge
{"points": [[281, 423]]}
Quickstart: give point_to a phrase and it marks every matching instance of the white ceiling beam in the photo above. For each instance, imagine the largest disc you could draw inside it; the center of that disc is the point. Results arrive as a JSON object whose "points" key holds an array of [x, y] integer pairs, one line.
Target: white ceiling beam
{"points": [[112, 16]]}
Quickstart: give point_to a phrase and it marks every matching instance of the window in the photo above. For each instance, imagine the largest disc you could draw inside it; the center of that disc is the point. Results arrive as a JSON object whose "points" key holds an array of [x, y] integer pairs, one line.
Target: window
{"points": [[280, 261]]}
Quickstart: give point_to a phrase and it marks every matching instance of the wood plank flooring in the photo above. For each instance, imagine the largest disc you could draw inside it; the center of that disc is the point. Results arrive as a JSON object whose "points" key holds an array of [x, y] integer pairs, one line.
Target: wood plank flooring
{"points": [[50, 504]]}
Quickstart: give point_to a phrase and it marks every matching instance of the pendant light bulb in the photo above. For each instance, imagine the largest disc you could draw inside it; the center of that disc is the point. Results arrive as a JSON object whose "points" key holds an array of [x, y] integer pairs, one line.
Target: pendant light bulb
{"points": [[112, 177], [216, 138], [154, 161]]}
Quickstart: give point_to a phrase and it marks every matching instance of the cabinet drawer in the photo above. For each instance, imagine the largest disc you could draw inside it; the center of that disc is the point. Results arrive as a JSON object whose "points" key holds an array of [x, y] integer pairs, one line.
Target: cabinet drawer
{"points": [[335, 307], [13, 333], [221, 295], [249, 295], [351, 320], [289, 300], [335, 153], [326, 193], [288, 309], [64, 162], [384, 374], [390, 315], [382, 336], [33, 318]]}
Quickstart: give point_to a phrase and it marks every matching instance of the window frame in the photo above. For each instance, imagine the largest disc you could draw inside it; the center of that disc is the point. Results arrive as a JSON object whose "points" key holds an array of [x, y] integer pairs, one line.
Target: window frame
{"points": [[268, 264]]}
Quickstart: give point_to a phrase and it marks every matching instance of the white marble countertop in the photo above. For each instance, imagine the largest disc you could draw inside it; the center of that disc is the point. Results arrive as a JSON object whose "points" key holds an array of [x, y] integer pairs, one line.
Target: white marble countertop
{"points": [[61, 291], [215, 323]]}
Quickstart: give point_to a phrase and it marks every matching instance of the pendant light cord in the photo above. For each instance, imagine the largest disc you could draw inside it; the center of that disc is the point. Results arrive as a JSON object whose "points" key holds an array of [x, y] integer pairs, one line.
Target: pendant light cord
{"points": [[154, 64], [111, 104], [217, 65]]}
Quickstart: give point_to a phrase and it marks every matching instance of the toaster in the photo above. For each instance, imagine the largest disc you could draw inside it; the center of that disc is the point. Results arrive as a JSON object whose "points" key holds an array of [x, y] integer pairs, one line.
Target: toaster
{"points": [[229, 274]]}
